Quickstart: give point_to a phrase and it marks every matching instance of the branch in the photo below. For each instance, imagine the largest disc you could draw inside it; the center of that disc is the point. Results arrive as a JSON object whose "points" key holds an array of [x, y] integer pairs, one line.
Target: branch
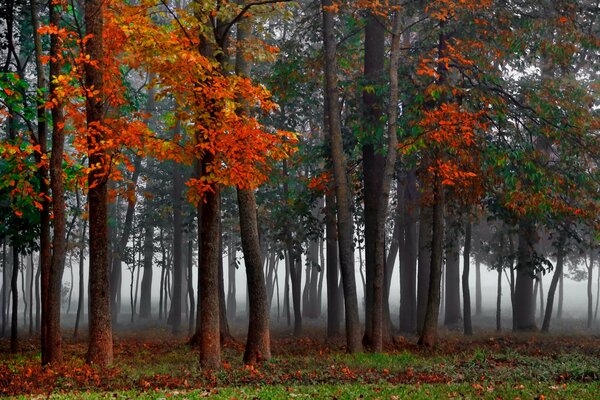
{"points": [[241, 14]]}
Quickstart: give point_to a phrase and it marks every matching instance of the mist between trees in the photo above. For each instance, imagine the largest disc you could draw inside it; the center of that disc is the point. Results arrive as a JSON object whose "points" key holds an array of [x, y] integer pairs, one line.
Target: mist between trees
{"points": [[382, 168]]}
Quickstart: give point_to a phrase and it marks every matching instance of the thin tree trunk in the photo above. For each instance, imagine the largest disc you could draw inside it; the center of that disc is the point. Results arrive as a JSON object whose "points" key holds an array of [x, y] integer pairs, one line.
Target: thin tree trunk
{"points": [[589, 291], [468, 328], [190, 266], [423, 263], [258, 342], [499, 300], [559, 309], [558, 271], [81, 293], [430, 324], [14, 288], [478, 286], [344, 215], [175, 314], [452, 312]]}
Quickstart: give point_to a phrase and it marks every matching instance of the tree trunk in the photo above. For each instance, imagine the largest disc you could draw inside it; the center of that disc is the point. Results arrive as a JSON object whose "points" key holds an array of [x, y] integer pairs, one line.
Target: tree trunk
{"points": [[477, 286], [5, 287], [224, 333], [558, 271], [468, 328], [373, 166], [430, 324], [52, 351], [559, 309], [590, 310], [42, 134], [423, 263], [408, 258], [100, 349], [296, 283], [81, 292], [499, 300], [146, 289], [190, 266], [523, 307], [231, 267], [175, 312], [452, 315], [258, 345], [344, 215], [333, 308], [14, 288], [208, 277]]}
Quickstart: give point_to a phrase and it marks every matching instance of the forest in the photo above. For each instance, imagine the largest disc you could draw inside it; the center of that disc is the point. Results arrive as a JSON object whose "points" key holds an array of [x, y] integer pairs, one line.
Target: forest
{"points": [[276, 198]]}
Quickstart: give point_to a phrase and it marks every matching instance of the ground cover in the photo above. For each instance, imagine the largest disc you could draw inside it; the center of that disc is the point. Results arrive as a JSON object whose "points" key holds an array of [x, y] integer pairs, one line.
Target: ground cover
{"points": [[154, 365]]}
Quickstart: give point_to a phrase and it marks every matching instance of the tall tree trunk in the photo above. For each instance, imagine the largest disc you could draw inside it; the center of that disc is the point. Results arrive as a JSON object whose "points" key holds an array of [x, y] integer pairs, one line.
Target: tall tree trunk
{"points": [[558, 271], [42, 134], [452, 315], [468, 328], [175, 313], [477, 286], [52, 351], [430, 323], [423, 263], [208, 276], [429, 333], [14, 288], [523, 307], [224, 333], [258, 342], [373, 166], [499, 300], [296, 283], [81, 292], [344, 211], [559, 309], [590, 310], [333, 309], [231, 267], [408, 257], [190, 266], [100, 349], [5, 286], [146, 289]]}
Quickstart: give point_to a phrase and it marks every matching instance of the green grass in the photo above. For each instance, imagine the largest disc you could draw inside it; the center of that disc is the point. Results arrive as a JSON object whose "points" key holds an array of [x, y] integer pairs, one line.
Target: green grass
{"points": [[311, 369], [357, 391]]}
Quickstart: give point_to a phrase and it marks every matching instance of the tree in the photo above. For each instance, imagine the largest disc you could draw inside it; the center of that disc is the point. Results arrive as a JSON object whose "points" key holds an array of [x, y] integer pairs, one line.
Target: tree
{"points": [[343, 201]]}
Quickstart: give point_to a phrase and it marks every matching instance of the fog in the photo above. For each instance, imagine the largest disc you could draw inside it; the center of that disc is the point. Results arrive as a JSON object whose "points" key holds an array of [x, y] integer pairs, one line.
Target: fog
{"points": [[574, 306]]}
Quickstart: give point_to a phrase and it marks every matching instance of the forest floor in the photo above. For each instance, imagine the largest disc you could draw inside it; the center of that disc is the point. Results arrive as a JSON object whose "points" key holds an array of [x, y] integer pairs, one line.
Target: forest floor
{"points": [[154, 364]]}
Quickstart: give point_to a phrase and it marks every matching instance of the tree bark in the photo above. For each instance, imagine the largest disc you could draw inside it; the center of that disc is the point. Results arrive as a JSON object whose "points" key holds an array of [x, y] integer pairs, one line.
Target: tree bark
{"points": [[81, 292], [100, 348], [558, 271], [52, 351], [258, 345], [42, 134], [373, 181], [333, 309], [452, 315], [408, 258], [423, 263], [344, 213], [208, 276], [468, 327], [175, 312], [430, 323], [477, 286], [590, 298], [499, 300], [523, 307], [14, 288]]}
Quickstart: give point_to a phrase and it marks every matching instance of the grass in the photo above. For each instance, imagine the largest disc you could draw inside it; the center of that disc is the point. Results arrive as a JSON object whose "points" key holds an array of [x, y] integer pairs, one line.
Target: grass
{"points": [[482, 367]]}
